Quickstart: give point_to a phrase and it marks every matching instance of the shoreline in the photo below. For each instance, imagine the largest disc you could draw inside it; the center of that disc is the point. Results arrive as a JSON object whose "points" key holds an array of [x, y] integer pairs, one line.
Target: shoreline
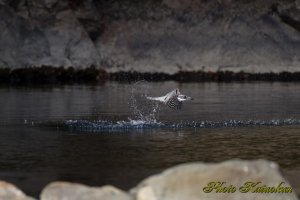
{"points": [[61, 75]]}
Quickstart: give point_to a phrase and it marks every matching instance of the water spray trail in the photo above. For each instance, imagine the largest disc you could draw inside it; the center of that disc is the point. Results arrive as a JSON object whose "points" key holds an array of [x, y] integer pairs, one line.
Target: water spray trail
{"points": [[142, 109], [98, 126]]}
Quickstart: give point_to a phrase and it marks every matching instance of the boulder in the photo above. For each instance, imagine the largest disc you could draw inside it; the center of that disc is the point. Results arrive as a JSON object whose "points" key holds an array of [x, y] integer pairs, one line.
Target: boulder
{"points": [[228, 180], [10, 192], [73, 191]]}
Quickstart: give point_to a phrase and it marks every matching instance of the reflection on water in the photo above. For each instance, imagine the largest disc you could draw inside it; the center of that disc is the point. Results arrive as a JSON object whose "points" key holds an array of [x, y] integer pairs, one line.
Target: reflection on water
{"points": [[32, 155]]}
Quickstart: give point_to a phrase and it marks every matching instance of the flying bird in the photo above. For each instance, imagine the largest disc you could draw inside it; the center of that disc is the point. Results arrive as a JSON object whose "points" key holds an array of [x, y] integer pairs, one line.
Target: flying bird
{"points": [[173, 99]]}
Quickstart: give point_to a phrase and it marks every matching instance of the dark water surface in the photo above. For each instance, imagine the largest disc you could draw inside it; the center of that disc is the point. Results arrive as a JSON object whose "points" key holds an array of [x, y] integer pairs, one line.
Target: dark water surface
{"points": [[38, 144]]}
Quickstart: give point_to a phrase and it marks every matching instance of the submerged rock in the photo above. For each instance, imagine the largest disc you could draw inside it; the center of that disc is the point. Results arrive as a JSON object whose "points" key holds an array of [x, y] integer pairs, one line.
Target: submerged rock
{"points": [[191, 181], [73, 191], [10, 192]]}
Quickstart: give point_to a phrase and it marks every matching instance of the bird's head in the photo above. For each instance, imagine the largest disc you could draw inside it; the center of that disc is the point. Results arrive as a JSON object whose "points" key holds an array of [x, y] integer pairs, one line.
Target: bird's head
{"points": [[182, 97]]}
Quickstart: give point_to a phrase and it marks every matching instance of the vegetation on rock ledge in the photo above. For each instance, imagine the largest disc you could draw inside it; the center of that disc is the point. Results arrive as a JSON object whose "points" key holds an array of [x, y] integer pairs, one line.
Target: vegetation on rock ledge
{"points": [[70, 75]]}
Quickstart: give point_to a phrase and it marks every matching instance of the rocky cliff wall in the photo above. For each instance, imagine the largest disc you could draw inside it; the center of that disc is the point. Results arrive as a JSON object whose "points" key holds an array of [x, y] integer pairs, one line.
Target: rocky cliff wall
{"points": [[152, 35]]}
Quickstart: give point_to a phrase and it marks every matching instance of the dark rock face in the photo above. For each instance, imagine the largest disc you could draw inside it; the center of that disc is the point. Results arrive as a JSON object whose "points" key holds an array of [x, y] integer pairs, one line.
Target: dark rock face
{"points": [[36, 33], [164, 36]]}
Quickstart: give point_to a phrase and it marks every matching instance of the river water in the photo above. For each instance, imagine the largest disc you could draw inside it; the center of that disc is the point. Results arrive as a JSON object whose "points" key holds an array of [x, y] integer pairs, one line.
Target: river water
{"points": [[110, 133]]}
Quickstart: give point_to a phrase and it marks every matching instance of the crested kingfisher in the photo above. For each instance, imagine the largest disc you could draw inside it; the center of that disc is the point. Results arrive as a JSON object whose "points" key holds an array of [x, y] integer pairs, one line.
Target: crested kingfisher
{"points": [[173, 99]]}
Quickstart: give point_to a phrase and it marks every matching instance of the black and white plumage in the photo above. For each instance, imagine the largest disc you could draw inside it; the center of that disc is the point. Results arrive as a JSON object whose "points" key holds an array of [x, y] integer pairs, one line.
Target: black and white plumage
{"points": [[173, 99]]}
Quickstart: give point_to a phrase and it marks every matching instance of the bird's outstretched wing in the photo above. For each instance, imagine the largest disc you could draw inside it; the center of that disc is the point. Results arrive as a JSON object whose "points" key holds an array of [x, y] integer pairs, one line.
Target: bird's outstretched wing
{"points": [[162, 99], [170, 99]]}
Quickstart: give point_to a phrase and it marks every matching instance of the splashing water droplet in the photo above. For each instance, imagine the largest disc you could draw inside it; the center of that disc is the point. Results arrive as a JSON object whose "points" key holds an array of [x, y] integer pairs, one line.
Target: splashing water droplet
{"points": [[98, 126], [143, 109]]}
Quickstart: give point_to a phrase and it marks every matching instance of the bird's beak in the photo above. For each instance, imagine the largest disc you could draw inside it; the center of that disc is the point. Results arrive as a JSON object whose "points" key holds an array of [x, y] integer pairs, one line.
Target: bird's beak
{"points": [[190, 98]]}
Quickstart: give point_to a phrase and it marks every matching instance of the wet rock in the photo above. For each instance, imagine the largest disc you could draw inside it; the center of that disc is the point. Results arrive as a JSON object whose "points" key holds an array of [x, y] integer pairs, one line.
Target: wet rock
{"points": [[189, 181], [201, 76], [10, 192], [72, 191], [52, 75]]}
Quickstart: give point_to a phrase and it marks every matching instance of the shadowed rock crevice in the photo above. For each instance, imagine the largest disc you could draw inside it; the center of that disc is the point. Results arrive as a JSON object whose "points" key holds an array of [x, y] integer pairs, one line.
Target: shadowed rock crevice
{"points": [[289, 15], [290, 21]]}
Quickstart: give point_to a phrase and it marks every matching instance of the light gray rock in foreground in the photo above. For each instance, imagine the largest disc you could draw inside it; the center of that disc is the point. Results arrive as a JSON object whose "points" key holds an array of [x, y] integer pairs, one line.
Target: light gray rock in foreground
{"points": [[188, 180], [183, 182], [73, 191], [10, 192]]}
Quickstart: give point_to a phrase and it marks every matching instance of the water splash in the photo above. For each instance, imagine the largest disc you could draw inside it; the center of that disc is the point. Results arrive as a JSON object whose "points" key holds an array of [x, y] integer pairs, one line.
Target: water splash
{"points": [[99, 126], [145, 116], [142, 109], [95, 126]]}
